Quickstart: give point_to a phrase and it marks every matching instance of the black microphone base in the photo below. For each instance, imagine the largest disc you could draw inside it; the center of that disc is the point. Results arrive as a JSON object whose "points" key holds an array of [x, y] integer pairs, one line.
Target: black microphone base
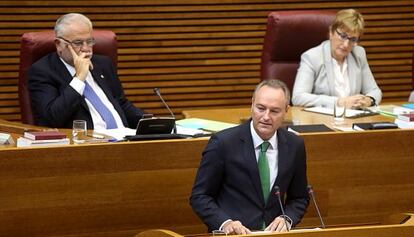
{"points": [[156, 137]]}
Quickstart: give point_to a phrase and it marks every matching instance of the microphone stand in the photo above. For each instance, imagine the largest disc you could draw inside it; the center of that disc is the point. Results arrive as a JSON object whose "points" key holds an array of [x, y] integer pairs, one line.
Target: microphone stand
{"points": [[277, 193], [158, 93], [310, 191]]}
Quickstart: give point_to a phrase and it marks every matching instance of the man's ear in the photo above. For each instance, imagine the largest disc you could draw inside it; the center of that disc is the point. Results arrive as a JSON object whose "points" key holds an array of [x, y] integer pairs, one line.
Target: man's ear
{"points": [[58, 44], [57, 41], [287, 108]]}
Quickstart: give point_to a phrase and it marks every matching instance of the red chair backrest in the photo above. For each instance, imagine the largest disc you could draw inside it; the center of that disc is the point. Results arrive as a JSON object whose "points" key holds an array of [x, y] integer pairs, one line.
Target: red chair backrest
{"points": [[288, 35], [35, 45]]}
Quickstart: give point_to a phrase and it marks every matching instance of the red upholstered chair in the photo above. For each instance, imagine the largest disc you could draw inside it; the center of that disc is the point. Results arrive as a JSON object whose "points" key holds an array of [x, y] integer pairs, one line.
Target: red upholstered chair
{"points": [[288, 35], [35, 45]]}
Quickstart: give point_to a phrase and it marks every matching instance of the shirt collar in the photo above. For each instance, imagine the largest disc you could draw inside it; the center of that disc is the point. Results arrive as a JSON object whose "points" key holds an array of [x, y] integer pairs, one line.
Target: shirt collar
{"points": [[338, 66]]}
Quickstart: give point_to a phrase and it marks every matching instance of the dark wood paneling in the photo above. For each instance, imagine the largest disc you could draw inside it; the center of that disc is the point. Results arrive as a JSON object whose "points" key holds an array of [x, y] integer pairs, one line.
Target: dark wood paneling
{"points": [[201, 53]]}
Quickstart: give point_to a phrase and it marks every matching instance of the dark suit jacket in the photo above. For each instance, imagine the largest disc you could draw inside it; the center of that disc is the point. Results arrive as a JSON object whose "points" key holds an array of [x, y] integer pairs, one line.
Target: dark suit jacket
{"points": [[227, 184], [56, 104]]}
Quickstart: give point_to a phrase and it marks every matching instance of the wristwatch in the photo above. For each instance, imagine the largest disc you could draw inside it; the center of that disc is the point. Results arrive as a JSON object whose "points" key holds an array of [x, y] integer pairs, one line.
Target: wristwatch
{"points": [[372, 100]]}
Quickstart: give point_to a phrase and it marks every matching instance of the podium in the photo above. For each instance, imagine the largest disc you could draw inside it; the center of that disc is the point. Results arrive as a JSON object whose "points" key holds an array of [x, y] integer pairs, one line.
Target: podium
{"points": [[404, 227]]}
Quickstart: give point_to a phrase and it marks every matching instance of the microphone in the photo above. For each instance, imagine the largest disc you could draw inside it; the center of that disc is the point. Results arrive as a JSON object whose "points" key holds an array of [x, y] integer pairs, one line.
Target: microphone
{"points": [[311, 194], [277, 193], [158, 93]]}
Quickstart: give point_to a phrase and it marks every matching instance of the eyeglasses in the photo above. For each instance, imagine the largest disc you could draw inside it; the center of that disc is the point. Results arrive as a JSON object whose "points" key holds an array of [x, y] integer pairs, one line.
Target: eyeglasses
{"points": [[79, 43], [344, 37]]}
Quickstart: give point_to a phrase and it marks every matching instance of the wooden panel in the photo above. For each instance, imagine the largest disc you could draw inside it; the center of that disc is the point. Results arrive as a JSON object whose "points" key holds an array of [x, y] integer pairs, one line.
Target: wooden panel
{"points": [[400, 230], [197, 47], [121, 189], [97, 190]]}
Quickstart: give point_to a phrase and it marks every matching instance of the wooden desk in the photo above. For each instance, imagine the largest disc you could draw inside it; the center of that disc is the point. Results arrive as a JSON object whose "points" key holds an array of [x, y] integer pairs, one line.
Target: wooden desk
{"points": [[121, 189], [116, 189], [358, 176], [401, 230], [295, 113]]}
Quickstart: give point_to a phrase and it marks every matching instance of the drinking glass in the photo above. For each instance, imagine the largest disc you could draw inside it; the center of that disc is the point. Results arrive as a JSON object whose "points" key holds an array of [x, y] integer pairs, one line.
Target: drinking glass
{"points": [[339, 112], [79, 131]]}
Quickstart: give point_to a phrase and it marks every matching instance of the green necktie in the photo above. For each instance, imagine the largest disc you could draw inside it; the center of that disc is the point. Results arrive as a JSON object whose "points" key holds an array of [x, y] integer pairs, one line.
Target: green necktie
{"points": [[264, 170]]}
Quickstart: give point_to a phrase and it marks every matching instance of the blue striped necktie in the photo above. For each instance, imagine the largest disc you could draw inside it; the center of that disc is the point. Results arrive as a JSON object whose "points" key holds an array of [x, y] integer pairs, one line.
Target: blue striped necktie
{"points": [[99, 106]]}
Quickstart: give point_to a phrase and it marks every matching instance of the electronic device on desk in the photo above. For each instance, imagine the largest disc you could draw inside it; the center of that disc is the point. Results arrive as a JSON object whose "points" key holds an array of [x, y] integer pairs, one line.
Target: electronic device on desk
{"points": [[157, 128]]}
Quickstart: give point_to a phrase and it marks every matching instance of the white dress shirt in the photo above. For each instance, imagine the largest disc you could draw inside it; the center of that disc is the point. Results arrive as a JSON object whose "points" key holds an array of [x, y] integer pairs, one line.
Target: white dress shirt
{"points": [[342, 88], [271, 153], [79, 86]]}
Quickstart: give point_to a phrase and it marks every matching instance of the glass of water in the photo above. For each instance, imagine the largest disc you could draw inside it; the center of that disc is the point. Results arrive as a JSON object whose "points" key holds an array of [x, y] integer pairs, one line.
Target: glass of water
{"points": [[79, 130], [339, 112]]}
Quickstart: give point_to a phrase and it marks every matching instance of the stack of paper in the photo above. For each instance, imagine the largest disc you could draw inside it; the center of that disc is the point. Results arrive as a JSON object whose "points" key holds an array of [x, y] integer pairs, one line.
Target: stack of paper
{"points": [[25, 142], [6, 138], [202, 126], [394, 110], [349, 113], [43, 138]]}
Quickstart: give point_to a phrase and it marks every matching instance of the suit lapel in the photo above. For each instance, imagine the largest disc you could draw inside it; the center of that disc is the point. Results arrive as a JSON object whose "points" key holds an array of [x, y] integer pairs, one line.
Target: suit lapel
{"points": [[61, 69], [249, 156], [327, 60], [352, 73], [99, 78]]}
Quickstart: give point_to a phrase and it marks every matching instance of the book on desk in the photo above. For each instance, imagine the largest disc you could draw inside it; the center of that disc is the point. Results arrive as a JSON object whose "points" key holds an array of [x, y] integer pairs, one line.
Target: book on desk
{"points": [[44, 135], [308, 128], [408, 117], [42, 138], [374, 126], [25, 142]]}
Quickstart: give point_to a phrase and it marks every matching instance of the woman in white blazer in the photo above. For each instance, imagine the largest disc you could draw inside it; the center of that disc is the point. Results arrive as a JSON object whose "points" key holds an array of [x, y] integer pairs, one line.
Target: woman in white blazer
{"points": [[337, 70]]}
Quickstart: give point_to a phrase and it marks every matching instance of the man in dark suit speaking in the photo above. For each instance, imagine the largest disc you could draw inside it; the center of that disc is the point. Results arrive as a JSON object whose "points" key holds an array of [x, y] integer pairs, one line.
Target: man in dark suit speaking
{"points": [[241, 166], [72, 83]]}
